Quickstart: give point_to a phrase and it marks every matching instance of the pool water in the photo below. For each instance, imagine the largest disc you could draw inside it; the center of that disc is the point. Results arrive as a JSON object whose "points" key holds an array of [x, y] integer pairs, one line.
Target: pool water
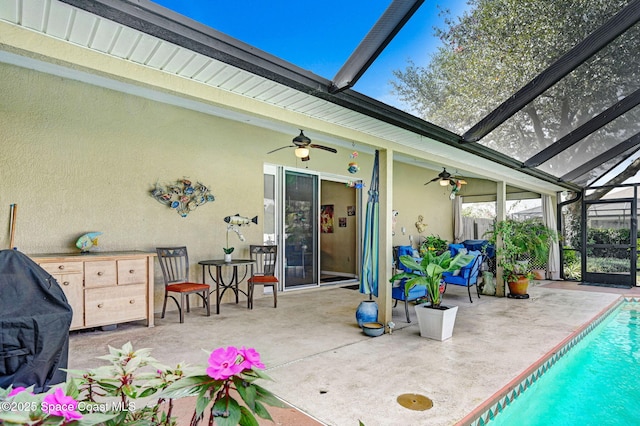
{"points": [[596, 383]]}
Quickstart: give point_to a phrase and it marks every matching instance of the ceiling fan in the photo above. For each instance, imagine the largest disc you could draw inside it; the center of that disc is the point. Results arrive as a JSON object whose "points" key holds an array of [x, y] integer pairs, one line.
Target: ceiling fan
{"points": [[302, 144], [445, 178]]}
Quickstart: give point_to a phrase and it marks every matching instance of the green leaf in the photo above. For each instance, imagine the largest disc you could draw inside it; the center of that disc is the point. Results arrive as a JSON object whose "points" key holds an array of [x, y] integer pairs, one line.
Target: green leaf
{"points": [[261, 411], [247, 418], [201, 404], [247, 393], [267, 397], [231, 410]]}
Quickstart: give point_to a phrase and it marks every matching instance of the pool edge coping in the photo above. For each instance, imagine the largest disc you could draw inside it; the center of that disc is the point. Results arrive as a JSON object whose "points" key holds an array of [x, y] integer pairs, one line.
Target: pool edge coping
{"points": [[489, 409]]}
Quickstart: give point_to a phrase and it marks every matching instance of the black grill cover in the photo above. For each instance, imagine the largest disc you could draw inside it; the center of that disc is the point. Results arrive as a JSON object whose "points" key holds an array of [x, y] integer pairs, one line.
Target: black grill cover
{"points": [[34, 324]]}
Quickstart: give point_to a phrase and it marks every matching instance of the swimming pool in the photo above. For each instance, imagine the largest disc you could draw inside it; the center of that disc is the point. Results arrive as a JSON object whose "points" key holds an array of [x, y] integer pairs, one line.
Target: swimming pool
{"points": [[595, 379]]}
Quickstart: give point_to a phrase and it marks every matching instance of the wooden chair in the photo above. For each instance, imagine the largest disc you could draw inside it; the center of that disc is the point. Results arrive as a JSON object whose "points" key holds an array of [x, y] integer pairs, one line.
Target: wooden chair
{"points": [[174, 262], [263, 271]]}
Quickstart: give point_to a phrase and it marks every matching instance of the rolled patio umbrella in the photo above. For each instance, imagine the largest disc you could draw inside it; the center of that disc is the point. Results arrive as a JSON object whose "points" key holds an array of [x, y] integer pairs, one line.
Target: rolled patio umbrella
{"points": [[370, 246]]}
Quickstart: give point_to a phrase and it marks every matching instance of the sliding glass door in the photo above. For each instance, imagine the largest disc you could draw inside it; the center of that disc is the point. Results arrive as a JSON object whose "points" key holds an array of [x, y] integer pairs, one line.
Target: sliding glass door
{"points": [[300, 230]]}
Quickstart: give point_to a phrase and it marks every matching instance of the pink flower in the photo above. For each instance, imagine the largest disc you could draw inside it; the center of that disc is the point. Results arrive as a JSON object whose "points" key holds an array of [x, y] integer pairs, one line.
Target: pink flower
{"points": [[222, 363], [58, 404], [16, 391], [251, 359]]}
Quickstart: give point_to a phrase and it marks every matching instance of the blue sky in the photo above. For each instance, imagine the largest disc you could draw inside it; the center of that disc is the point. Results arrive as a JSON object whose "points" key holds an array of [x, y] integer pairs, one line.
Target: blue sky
{"points": [[320, 35]]}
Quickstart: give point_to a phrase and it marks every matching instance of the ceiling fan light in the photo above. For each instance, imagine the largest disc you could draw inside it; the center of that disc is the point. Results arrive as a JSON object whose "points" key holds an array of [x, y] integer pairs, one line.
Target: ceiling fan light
{"points": [[444, 182], [302, 152]]}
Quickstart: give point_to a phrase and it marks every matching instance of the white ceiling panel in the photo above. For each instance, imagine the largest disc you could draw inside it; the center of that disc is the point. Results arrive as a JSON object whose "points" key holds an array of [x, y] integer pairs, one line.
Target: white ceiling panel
{"points": [[9, 11], [33, 14], [105, 36], [144, 49], [179, 60], [60, 18], [197, 64], [83, 28], [125, 43], [237, 80], [162, 55], [271, 93]]}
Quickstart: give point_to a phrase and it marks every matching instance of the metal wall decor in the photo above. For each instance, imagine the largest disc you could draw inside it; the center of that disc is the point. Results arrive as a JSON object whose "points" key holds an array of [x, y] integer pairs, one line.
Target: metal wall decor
{"points": [[182, 195]]}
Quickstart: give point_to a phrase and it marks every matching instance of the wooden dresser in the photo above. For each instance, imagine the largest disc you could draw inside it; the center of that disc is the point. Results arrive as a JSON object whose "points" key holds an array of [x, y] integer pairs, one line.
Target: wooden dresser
{"points": [[104, 288]]}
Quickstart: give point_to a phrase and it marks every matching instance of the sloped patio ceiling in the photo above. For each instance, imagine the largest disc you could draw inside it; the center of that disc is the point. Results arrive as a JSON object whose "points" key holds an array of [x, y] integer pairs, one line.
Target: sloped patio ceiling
{"points": [[161, 23], [172, 28]]}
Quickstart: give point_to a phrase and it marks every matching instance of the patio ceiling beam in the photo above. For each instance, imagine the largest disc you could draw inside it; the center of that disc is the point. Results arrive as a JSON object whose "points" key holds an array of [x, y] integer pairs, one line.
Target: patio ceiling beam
{"points": [[380, 35], [618, 24], [603, 158], [575, 136]]}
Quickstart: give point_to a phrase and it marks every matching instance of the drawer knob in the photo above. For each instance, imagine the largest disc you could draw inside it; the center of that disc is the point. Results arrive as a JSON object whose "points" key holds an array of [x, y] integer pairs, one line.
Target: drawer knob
{"points": [[132, 271], [100, 305], [100, 273], [61, 267], [65, 283], [132, 301]]}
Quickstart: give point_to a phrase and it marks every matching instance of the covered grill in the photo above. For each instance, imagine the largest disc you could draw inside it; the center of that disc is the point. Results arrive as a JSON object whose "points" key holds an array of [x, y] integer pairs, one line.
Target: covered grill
{"points": [[34, 324]]}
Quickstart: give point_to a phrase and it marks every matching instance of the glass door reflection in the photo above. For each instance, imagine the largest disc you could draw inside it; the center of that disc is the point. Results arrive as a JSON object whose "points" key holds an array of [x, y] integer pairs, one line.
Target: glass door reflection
{"points": [[300, 230]]}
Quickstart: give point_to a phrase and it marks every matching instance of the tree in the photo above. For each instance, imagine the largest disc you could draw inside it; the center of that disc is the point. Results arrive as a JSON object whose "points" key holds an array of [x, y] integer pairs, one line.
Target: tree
{"points": [[498, 46]]}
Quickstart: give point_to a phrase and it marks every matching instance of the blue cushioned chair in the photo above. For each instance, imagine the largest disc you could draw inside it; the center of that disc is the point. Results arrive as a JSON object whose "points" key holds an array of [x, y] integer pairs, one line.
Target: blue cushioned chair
{"points": [[397, 293], [468, 275]]}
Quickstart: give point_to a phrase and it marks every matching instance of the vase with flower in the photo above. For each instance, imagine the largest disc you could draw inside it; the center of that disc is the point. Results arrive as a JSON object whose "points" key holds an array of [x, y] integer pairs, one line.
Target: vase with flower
{"points": [[228, 250], [435, 320]]}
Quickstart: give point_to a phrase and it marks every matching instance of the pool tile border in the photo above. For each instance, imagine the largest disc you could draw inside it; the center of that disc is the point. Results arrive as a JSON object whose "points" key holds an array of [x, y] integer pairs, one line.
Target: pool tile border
{"points": [[491, 408]]}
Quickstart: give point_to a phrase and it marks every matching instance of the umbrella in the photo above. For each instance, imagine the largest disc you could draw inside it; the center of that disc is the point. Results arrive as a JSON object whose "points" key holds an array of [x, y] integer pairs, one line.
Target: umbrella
{"points": [[369, 272]]}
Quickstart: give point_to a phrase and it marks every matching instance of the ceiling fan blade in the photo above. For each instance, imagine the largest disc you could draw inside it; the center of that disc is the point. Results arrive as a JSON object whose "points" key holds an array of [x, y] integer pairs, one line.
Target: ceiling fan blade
{"points": [[433, 180], [326, 148], [282, 147]]}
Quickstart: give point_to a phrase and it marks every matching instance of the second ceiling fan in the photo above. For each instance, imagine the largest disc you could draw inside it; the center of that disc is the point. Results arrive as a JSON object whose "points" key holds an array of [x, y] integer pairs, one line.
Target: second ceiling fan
{"points": [[445, 178], [302, 144]]}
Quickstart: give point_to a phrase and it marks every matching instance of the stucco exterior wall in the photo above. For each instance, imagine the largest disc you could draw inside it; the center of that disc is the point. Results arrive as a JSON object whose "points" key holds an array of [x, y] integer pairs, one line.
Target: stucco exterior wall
{"points": [[412, 198], [78, 158]]}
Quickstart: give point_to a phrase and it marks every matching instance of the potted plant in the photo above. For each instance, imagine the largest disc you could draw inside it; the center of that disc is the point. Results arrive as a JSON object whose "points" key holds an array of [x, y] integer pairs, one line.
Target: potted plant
{"points": [[434, 242], [428, 272], [521, 240], [228, 250]]}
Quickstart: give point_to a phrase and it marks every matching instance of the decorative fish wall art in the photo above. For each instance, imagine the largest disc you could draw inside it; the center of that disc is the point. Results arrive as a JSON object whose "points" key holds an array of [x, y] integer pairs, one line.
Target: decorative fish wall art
{"points": [[182, 196]]}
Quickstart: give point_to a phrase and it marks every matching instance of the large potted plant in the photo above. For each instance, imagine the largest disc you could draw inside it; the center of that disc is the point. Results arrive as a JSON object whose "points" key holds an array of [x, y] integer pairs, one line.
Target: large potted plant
{"points": [[521, 239], [435, 320]]}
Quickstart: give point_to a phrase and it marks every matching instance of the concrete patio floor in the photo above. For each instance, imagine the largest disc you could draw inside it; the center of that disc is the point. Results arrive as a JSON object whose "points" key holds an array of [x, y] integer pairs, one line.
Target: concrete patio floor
{"points": [[323, 365]]}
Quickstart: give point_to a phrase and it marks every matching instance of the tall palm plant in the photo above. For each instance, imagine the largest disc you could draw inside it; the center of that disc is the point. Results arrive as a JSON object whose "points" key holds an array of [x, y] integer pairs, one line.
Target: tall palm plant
{"points": [[428, 272]]}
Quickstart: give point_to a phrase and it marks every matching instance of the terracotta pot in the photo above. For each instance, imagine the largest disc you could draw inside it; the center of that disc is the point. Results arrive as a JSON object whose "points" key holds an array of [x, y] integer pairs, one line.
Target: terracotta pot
{"points": [[520, 286], [540, 274]]}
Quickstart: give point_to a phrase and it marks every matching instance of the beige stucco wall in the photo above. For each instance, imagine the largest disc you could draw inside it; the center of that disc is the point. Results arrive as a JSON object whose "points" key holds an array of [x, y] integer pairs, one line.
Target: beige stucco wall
{"points": [[78, 158], [412, 198]]}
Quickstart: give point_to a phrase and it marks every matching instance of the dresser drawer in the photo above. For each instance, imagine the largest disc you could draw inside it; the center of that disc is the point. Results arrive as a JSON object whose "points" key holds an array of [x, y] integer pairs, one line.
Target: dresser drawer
{"points": [[62, 267], [104, 305], [132, 271], [71, 285], [100, 273]]}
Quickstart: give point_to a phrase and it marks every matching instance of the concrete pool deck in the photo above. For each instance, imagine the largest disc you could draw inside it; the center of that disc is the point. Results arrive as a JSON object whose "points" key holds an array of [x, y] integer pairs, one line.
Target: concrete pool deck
{"points": [[323, 365]]}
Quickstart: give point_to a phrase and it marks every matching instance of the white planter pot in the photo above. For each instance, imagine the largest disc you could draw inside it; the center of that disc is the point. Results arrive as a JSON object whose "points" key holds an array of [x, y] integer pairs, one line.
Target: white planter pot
{"points": [[227, 257], [436, 324]]}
